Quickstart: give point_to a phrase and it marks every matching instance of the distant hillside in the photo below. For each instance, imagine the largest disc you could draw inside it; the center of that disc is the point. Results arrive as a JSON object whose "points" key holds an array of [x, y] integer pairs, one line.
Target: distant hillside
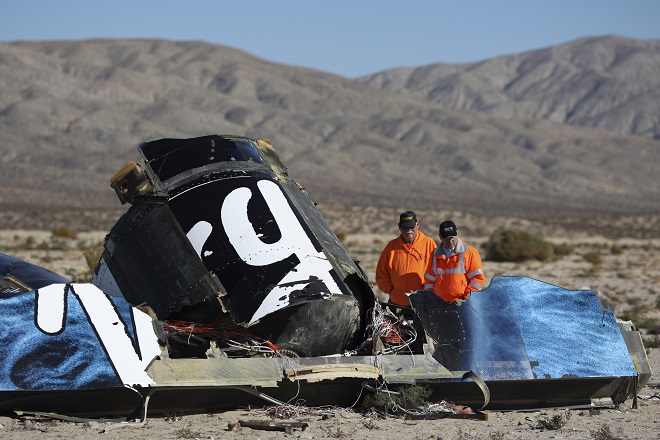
{"points": [[73, 112], [604, 82]]}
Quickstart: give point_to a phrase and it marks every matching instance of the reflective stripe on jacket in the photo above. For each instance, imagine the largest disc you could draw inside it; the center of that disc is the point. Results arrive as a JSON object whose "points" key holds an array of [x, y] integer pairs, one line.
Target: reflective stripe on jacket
{"points": [[455, 277], [401, 267]]}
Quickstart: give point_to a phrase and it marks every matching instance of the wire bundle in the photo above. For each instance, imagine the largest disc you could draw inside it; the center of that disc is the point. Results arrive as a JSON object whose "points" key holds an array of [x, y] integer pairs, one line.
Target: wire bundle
{"points": [[392, 330], [233, 336]]}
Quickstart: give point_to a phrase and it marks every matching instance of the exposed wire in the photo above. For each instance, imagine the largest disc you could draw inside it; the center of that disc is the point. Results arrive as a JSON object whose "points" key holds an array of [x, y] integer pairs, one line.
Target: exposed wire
{"points": [[233, 336], [289, 411], [390, 329]]}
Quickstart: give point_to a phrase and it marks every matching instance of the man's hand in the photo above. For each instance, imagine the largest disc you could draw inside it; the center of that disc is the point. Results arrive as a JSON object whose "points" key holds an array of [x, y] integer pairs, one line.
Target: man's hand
{"points": [[459, 302]]}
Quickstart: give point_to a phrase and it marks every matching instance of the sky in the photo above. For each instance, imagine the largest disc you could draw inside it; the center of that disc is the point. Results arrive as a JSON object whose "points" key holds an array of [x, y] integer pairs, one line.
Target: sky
{"points": [[348, 38]]}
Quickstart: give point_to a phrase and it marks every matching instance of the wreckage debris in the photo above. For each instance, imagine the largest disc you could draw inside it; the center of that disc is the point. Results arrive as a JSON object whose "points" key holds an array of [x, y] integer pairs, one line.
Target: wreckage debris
{"points": [[269, 425], [254, 247], [223, 286]]}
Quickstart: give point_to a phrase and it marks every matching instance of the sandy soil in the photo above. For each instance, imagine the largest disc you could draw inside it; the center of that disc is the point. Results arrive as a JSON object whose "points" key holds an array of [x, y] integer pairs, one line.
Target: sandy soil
{"points": [[626, 279]]}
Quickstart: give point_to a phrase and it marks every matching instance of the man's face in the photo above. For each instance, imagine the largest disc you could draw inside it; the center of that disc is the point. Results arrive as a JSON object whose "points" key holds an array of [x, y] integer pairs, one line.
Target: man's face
{"points": [[450, 242], [408, 233]]}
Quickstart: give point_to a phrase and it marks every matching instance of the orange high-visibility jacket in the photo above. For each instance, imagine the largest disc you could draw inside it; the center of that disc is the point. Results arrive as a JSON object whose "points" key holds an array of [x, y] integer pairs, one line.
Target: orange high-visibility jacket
{"points": [[401, 267], [455, 277]]}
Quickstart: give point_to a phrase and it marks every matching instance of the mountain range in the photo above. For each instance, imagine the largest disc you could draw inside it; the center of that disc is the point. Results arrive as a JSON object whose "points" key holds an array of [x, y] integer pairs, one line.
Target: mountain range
{"points": [[570, 130], [611, 83]]}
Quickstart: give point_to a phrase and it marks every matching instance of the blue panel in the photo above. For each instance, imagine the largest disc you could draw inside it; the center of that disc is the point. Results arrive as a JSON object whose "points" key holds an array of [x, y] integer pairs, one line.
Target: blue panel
{"points": [[566, 332], [520, 328], [33, 360]]}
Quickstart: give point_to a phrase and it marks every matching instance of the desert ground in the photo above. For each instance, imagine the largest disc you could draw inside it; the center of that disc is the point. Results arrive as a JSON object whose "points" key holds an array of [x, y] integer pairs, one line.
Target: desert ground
{"points": [[620, 260]]}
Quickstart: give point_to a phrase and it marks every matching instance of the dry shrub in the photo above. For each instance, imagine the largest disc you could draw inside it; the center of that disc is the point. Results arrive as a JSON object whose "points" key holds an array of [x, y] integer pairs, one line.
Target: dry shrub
{"points": [[187, 433], [92, 256], [554, 422], [616, 249], [335, 432], [652, 338], [409, 398], [652, 341], [593, 257], [604, 433], [653, 327], [63, 232], [562, 250], [517, 246]]}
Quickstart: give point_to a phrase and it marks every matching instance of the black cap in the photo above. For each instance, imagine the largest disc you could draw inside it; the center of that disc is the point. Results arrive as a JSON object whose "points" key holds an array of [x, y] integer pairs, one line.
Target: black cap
{"points": [[448, 229], [407, 219]]}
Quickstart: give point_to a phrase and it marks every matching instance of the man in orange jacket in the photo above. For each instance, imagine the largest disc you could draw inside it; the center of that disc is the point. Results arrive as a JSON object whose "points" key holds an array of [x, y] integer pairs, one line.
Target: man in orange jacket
{"points": [[404, 260], [455, 270]]}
